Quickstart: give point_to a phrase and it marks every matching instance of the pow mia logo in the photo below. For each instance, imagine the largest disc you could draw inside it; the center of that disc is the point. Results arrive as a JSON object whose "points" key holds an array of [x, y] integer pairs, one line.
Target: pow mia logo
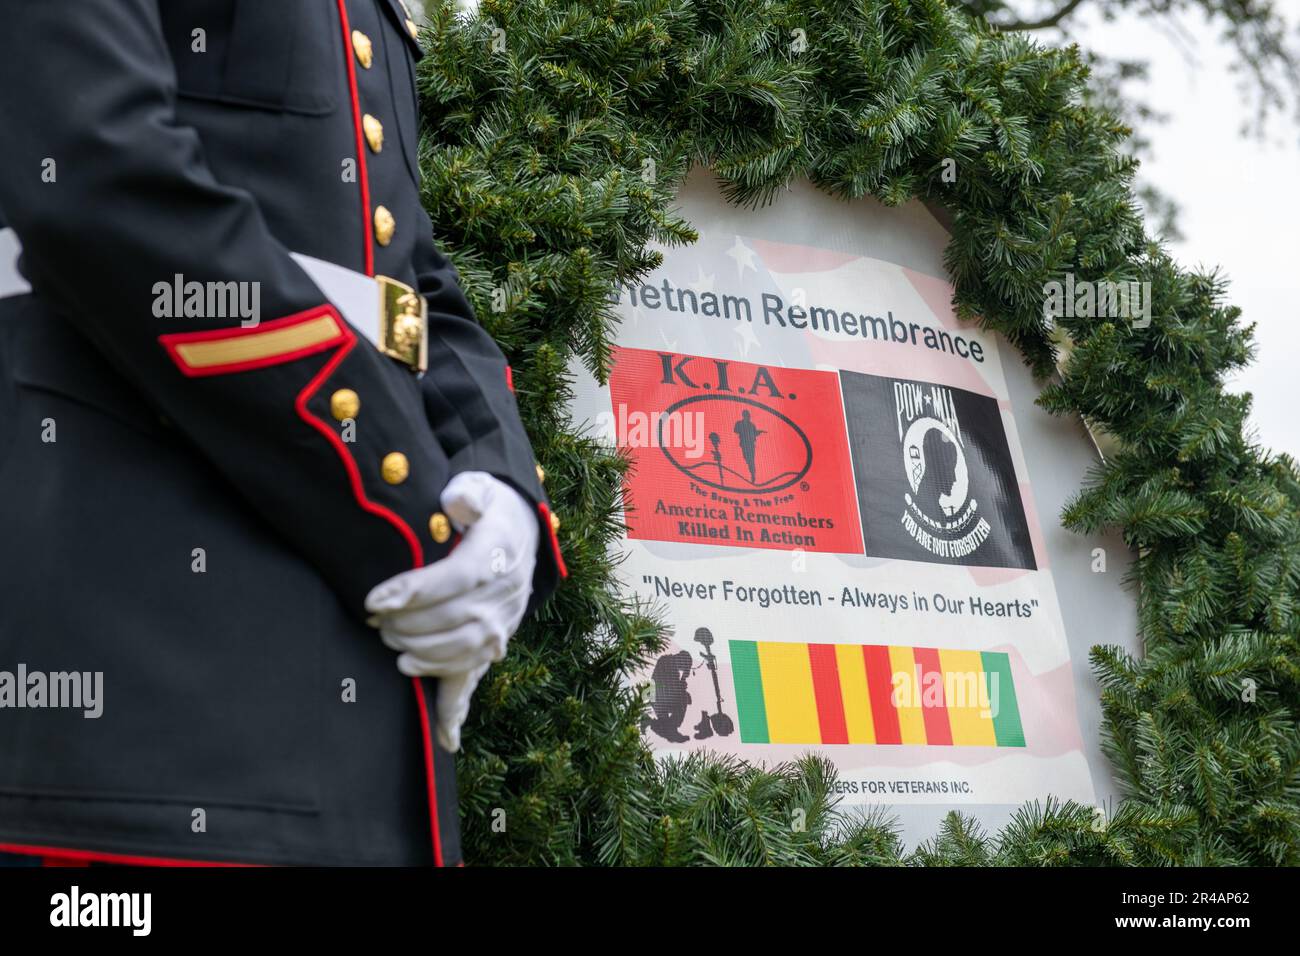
{"points": [[941, 515], [934, 474]]}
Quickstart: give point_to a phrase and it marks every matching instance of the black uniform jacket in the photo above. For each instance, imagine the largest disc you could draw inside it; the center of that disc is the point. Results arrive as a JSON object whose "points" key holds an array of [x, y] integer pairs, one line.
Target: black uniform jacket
{"points": [[182, 507]]}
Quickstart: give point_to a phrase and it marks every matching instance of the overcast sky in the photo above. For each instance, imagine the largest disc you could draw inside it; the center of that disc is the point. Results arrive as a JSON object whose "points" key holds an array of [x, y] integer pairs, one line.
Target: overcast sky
{"points": [[1240, 198]]}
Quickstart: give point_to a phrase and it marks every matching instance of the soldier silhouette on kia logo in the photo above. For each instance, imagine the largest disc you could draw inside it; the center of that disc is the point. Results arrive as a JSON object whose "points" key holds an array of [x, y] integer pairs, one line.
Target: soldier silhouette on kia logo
{"points": [[738, 467], [748, 434]]}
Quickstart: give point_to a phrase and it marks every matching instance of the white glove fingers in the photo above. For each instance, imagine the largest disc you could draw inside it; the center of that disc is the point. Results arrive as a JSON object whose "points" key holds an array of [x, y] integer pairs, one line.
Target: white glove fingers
{"points": [[452, 688], [484, 601], [460, 653], [457, 644], [413, 665], [466, 498], [454, 695]]}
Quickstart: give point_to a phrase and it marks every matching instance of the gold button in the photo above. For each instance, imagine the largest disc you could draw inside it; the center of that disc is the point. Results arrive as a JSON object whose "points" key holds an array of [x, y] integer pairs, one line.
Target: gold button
{"points": [[412, 29], [385, 225], [345, 404], [374, 132], [541, 473], [555, 521], [395, 468], [363, 48], [440, 527]]}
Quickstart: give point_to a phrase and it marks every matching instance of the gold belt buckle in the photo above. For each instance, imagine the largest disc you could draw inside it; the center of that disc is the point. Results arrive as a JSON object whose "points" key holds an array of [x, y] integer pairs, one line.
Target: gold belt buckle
{"points": [[403, 324]]}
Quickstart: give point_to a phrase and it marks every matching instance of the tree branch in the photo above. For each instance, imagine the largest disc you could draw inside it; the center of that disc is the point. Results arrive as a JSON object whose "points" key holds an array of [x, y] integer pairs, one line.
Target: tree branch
{"points": [[1047, 21]]}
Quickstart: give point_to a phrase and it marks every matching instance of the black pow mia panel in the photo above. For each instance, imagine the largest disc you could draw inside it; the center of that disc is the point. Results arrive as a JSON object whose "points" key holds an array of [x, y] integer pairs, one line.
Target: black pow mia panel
{"points": [[934, 474]]}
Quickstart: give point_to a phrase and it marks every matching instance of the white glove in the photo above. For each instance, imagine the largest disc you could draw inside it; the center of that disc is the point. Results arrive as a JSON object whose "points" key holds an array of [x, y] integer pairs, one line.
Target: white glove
{"points": [[453, 618], [454, 693]]}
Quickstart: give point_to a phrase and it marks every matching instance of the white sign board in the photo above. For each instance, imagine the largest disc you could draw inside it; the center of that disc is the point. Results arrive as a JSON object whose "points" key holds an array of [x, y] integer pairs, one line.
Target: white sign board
{"points": [[844, 504]]}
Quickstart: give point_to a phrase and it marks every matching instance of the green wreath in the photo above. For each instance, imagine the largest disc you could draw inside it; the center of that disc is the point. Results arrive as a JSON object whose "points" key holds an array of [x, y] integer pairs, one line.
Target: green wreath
{"points": [[555, 135]]}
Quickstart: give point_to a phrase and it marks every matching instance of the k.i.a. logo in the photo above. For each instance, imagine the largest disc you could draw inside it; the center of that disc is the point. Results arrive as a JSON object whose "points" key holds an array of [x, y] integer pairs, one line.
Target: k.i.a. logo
{"points": [[752, 446], [934, 474], [733, 454]]}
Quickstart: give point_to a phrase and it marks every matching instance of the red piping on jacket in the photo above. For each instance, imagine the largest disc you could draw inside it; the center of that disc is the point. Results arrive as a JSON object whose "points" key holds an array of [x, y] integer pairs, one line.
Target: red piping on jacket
{"points": [[360, 137], [430, 778], [123, 859], [347, 338], [416, 550], [349, 463], [555, 542], [417, 561]]}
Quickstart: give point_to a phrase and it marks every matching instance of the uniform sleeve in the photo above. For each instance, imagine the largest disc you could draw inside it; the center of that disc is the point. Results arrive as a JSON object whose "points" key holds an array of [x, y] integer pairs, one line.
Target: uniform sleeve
{"points": [[87, 91], [469, 398]]}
